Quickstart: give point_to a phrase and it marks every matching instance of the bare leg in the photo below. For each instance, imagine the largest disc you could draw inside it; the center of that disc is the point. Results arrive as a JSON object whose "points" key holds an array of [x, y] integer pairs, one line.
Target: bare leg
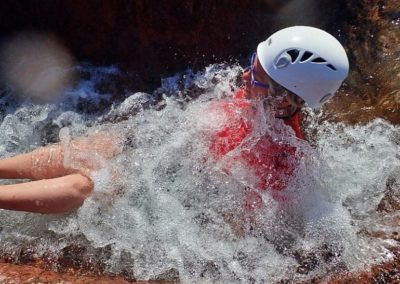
{"points": [[59, 188], [44, 162], [85, 154], [57, 195]]}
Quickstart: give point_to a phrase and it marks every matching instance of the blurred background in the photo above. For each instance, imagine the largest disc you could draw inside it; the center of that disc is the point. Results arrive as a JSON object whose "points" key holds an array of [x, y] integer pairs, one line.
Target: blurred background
{"points": [[152, 39]]}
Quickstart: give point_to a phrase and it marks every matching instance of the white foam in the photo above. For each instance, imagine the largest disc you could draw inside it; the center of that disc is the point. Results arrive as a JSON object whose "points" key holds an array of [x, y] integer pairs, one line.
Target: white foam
{"points": [[167, 207]]}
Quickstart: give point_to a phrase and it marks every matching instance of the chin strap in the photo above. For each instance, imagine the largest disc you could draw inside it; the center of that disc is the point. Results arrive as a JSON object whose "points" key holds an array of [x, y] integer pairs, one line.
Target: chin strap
{"points": [[294, 121], [289, 116]]}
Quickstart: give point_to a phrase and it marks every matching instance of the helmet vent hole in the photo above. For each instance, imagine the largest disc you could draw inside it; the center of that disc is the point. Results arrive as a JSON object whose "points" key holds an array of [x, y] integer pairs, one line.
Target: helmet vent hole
{"points": [[331, 66], [318, 60], [294, 53], [283, 61], [306, 56], [325, 98]]}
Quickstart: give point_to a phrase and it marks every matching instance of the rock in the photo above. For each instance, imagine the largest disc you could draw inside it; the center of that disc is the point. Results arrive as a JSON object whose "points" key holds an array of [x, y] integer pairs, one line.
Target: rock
{"points": [[388, 272], [11, 273], [373, 44], [391, 200]]}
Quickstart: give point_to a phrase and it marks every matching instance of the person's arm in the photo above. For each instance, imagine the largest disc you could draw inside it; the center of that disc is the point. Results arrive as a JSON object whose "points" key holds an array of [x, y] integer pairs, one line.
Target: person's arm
{"points": [[49, 196]]}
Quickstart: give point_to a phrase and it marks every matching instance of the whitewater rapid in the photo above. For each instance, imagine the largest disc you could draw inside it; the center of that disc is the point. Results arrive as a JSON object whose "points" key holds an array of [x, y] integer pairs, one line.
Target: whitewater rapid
{"points": [[166, 211]]}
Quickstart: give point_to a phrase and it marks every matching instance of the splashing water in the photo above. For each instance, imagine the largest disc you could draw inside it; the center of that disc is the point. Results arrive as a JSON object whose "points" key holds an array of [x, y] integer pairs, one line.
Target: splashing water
{"points": [[164, 210]]}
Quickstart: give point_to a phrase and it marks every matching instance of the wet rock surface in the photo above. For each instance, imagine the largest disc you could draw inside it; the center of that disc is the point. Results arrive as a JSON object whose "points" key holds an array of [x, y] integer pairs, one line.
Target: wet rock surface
{"points": [[35, 273], [372, 40], [385, 273], [11, 273], [391, 200]]}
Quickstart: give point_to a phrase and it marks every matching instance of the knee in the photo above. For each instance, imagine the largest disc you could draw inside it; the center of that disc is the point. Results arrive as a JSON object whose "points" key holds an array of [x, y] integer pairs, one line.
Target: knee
{"points": [[77, 188], [83, 185], [80, 188]]}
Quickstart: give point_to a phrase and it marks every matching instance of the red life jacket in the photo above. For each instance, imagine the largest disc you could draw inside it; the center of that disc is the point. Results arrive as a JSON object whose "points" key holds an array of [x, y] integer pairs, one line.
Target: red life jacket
{"points": [[271, 163], [294, 121]]}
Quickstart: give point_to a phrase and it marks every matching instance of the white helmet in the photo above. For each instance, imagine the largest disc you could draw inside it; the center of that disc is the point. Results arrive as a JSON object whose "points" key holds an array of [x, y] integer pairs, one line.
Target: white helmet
{"points": [[307, 61]]}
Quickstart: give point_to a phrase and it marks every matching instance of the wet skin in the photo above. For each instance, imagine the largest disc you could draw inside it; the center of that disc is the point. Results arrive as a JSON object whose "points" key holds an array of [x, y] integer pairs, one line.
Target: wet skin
{"points": [[55, 187]]}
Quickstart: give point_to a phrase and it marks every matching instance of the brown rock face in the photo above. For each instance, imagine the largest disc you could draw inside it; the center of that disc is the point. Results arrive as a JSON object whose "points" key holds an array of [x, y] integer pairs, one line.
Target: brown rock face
{"points": [[372, 40], [10, 273], [391, 200], [385, 273]]}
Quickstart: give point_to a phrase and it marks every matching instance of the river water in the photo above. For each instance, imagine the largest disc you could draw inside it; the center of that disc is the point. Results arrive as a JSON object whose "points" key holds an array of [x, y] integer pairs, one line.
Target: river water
{"points": [[163, 210]]}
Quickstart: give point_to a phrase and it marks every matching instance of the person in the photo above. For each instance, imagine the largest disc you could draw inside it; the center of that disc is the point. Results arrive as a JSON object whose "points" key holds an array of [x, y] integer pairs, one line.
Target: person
{"points": [[294, 66]]}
